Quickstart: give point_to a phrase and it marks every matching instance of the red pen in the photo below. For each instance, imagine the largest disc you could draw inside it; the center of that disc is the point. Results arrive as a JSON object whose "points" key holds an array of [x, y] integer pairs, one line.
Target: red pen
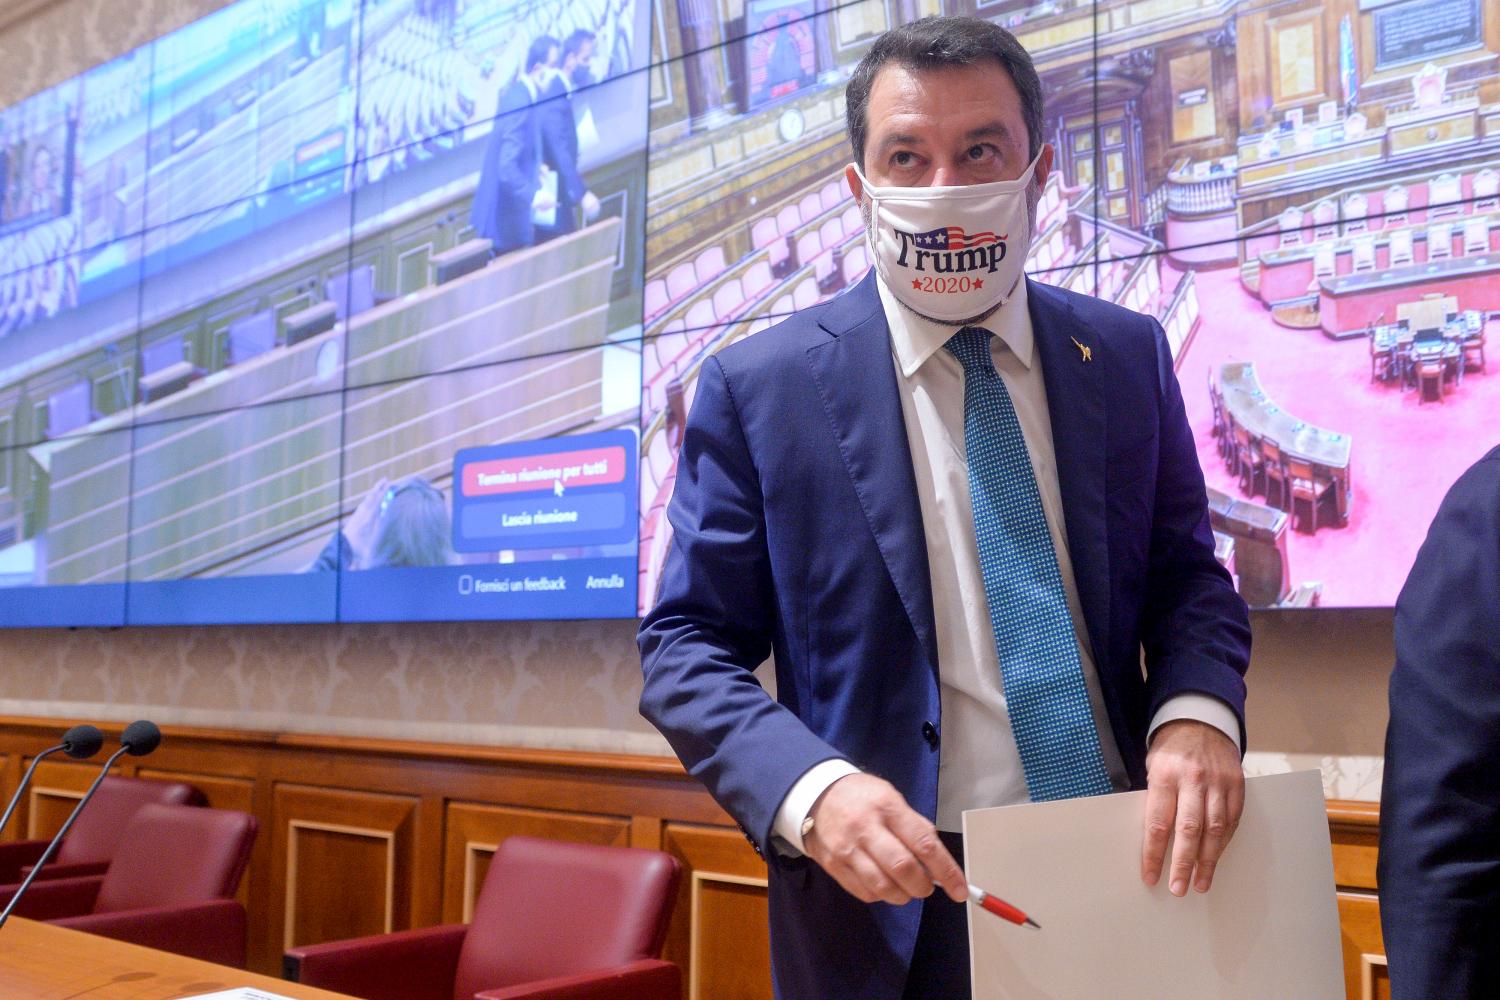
{"points": [[999, 907]]}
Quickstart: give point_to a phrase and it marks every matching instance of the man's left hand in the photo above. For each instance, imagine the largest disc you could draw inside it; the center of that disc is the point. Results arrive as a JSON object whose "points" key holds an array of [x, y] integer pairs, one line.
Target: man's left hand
{"points": [[1195, 788]]}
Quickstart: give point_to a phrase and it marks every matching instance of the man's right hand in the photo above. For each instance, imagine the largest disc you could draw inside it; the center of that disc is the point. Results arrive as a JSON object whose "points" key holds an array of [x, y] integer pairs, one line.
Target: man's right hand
{"points": [[876, 846]]}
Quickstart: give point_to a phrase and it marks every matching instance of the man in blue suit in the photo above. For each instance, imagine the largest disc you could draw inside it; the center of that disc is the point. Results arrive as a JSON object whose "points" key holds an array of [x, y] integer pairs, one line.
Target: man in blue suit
{"points": [[556, 119], [955, 506], [1440, 801], [510, 176]]}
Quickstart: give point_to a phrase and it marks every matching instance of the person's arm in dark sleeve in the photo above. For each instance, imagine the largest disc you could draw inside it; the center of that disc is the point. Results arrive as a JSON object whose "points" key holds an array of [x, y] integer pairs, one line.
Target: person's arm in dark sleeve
{"points": [[1195, 628], [511, 123], [1439, 868], [712, 625], [560, 148]]}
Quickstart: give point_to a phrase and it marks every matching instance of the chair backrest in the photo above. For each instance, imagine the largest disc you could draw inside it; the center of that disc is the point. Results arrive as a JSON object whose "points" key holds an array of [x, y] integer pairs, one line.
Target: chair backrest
{"points": [[163, 353], [177, 854], [351, 292], [70, 408], [251, 335], [96, 832], [552, 908]]}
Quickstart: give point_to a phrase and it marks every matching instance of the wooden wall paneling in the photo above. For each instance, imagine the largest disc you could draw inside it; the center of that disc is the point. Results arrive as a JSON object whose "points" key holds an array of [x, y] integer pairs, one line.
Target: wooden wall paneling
{"points": [[719, 933], [1375, 978], [1359, 921], [55, 790], [474, 830], [1355, 829], [646, 831], [1297, 60], [347, 862], [383, 832], [427, 891], [11, 769], [222, 792]]}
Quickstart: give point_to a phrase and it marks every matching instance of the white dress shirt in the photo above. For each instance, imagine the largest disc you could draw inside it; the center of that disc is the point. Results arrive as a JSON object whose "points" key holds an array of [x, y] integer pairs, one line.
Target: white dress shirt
{"points": [[979, 764]]}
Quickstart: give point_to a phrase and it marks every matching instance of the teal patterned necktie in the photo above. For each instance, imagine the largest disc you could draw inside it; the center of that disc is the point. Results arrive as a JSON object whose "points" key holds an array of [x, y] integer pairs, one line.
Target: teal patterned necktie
{"points": [[1039, 665]]}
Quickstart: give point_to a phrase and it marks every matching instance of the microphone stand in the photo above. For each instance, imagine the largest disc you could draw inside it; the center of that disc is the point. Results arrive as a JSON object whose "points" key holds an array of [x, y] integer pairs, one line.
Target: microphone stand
{"points": [[80, 742], [127, 745]]}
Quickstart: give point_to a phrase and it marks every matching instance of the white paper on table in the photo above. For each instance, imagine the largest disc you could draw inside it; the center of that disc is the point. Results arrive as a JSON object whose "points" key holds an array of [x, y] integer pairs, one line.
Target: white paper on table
{"points": [[1269, 927], [243, 993]]}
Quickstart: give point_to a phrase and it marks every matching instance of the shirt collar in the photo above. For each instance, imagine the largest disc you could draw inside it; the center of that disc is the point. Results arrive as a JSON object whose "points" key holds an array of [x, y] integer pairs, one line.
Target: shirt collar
{"points": [[914, 338]]}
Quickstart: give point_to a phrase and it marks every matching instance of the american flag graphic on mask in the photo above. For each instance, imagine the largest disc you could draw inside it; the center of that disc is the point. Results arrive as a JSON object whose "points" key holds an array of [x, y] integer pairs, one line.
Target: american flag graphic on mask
{"points": [[951, 238]]}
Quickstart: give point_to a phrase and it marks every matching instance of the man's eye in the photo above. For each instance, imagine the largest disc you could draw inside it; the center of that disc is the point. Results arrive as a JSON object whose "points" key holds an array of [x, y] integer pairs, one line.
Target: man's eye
{"points": [[978, 152], [902, 159]]}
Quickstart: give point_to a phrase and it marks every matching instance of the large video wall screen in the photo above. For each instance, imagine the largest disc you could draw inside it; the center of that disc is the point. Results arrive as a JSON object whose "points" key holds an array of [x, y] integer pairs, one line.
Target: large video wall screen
{"points": [[321, 310]]}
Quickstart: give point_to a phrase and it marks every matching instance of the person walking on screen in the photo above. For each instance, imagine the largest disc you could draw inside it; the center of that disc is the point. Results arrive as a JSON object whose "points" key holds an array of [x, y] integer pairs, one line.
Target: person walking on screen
{"points": [[956, 505], [510, 177], [1439, 867], [560, 144]]}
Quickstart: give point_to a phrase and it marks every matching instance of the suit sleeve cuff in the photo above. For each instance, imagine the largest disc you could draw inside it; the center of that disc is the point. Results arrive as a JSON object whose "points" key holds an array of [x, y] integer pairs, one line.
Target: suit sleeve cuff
{"points": [[801, 798], [1203, 708]]}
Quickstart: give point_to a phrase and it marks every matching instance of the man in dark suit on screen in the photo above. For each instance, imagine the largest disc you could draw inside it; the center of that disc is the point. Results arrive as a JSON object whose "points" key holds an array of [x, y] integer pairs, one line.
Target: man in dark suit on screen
{"points": [[1440, 802], [956, 505], [510, 177], [557, 120]]}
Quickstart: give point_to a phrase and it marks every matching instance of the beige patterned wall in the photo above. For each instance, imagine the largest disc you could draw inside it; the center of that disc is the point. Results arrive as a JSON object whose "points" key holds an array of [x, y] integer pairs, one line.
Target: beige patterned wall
{"points": [[1317, 680]]}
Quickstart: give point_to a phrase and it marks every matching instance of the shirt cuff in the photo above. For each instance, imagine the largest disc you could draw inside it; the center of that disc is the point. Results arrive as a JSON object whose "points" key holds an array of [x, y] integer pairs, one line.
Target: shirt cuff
{"points": [[802, 797], [1204, 708]]}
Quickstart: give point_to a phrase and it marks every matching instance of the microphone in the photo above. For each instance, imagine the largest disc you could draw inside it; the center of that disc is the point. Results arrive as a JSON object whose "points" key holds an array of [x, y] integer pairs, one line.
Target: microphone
{"points": [[139, 739], [80, 743]]}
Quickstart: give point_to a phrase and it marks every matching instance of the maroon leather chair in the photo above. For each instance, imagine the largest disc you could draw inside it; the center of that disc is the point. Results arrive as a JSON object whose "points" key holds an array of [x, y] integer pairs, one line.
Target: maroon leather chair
{"points": [[554, 921], [91, 842], [170, 885]]}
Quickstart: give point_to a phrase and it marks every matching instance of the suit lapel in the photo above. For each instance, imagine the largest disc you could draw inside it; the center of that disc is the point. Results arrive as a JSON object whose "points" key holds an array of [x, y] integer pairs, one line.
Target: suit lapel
{"points": [[1075, 400], [856, 378]]}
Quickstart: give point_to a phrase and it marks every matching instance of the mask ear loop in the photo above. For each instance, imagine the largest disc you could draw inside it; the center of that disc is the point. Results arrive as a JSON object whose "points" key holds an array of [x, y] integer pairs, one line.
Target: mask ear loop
{"points": [[872, 231]]}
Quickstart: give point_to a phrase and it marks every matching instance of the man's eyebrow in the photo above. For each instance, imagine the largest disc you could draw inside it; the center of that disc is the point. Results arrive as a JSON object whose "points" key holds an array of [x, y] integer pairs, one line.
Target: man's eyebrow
{"points": [[994, 130], [900, 139]]}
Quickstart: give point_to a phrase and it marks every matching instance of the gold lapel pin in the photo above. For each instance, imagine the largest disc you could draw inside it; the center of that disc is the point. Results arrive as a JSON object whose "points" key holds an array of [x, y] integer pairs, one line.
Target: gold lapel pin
{"points": [[1084, 349]]}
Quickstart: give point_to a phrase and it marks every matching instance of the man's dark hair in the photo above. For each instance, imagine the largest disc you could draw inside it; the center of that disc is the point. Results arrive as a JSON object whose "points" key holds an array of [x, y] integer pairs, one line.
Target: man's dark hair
{"points": [[575, 42], [936, 42], [540, 52]]}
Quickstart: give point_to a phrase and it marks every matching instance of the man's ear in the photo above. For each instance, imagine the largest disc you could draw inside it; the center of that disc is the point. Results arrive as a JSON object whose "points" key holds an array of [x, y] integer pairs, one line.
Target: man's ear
{"points": [[851, 177], [1044, 165]]}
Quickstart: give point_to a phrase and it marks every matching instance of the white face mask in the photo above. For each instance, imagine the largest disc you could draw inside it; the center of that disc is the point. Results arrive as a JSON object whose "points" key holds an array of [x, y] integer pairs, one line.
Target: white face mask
{"points": [[950, 253]]}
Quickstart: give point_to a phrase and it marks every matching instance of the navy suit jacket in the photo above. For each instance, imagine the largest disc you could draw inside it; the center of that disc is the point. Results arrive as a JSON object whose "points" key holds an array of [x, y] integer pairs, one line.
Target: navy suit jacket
{"points": [[510, 173], [560, 152], [1439, 869], [797, 531]]}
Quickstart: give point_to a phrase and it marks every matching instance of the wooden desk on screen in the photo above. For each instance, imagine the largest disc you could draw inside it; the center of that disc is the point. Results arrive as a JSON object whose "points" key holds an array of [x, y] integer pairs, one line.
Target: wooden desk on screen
{"points": [[1358, 301], [42, 962], [1258, 536], [1248, 406]]}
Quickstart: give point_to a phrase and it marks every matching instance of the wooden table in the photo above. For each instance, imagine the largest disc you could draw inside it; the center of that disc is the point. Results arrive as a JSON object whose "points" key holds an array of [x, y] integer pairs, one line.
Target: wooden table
{"points": [[42, 962], [1248, 406]]}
